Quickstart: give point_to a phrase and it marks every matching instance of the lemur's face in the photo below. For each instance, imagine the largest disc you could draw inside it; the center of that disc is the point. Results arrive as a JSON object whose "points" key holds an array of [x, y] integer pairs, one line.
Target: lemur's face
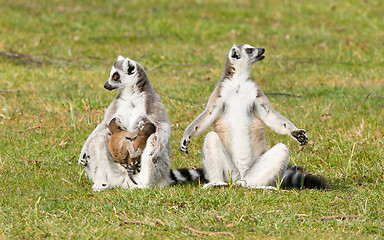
{"points": [[123, 73], [245, 55]]}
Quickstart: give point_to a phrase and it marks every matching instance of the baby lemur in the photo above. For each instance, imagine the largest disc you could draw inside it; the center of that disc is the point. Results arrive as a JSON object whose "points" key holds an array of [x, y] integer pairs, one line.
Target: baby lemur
{"points": [[126, 146]]}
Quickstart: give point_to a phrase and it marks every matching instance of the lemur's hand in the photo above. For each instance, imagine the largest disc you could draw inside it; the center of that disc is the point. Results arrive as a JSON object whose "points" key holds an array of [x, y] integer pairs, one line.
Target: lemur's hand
{"points": [[300, 136], [183, 144]]}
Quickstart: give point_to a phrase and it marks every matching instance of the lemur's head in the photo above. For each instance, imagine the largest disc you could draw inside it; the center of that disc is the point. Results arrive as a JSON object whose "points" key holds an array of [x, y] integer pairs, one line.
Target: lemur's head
{"points": [[124, 72], [243, 56]]}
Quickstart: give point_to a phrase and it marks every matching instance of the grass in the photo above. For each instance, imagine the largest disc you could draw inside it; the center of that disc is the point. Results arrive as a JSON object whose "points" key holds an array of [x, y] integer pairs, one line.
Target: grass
{"points": [[58, 56]]}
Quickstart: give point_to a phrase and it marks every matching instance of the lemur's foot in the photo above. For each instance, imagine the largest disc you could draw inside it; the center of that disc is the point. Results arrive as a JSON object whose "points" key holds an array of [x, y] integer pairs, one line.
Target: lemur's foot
{"points": [[266, 187], [300, 136], [216, 184], [137, 153], [84, 159], [100, 186]]}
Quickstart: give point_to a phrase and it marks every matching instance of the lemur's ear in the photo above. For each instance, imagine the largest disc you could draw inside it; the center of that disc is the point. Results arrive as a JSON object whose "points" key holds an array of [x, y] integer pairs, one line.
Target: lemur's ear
{"points": [[119, 58], [235, 52], [129, 66], [111, 124]]}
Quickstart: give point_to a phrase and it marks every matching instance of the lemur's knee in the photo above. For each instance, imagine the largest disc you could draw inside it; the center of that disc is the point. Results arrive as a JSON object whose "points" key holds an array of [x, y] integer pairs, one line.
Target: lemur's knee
{"points": [[212, 137], [281, 147], [280, 150], [212, 141]]}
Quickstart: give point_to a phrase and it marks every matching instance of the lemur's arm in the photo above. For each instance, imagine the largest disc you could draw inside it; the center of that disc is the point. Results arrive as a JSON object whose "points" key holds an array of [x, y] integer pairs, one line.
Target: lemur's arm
{"points": [[160, 140], [276, 121], [213, 109]]}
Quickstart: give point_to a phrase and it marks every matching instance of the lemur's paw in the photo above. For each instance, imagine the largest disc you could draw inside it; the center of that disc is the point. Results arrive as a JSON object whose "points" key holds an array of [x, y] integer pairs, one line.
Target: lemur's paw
{"points": [[137, 153], [300, 136], [183, 144], [154, 156], [216, 184], [100, 186], [156, 149], [84, 159]]}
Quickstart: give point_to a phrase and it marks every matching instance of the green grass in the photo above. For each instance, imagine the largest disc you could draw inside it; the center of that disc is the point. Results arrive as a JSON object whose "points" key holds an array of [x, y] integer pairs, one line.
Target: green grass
{"points": [[329, 53]]}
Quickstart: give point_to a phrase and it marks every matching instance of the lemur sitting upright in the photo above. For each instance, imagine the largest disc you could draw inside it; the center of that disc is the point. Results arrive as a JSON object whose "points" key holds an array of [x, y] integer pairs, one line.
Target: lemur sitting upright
{"points": [[135, 101], [236, 148], [127, 146]]}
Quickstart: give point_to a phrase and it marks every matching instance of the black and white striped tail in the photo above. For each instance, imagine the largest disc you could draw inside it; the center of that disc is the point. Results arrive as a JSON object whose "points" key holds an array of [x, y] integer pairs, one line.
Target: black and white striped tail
{"points": [[187, 175], [297, 177]]}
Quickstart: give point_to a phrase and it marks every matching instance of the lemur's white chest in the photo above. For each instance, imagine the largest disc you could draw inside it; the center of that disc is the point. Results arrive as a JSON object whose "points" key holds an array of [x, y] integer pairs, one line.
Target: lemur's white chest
{"points": [[239, 94], [130, 108]]}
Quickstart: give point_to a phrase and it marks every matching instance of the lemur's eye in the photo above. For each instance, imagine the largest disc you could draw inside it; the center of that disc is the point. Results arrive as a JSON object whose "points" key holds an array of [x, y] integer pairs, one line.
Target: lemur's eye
{"points": [[116, 76], [249, 50]]}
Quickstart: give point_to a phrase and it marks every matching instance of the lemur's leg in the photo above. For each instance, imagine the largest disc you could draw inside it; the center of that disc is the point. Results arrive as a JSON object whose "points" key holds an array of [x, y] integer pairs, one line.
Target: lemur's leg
{"points": [[98, 161], [268, 167], [217, 165], [276, 121]]}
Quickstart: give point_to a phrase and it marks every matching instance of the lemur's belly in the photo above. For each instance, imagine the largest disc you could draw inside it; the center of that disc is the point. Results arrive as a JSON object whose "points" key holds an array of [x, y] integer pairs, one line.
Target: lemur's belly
{"points": [[236, 139], [238, 125]]}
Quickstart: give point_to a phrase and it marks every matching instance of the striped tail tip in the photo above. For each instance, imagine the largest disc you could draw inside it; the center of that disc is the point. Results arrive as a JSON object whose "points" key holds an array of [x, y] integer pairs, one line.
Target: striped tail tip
{"points": [[297, 177], [187, 175]]}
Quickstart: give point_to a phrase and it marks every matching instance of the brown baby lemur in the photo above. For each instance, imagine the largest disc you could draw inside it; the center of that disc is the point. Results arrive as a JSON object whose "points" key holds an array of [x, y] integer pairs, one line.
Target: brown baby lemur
{"points": [[126, 146]]}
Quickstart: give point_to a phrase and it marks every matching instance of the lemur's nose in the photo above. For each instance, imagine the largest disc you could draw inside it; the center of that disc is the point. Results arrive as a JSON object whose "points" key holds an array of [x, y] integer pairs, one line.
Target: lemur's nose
{"points": [[260, 51], [108, 86]]}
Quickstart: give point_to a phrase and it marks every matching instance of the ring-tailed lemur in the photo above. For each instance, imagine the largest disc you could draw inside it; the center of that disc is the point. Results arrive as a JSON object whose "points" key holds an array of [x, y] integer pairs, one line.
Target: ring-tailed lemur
{"points": [[126, 146], [236, 147], [136, 101]]}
